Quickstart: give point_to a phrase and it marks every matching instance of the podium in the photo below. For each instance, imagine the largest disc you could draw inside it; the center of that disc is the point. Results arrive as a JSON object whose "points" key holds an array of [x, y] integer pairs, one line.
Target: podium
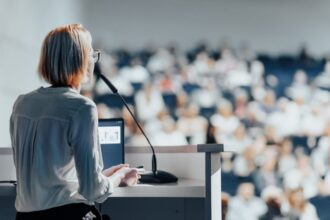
{"points": [[196, 195]]}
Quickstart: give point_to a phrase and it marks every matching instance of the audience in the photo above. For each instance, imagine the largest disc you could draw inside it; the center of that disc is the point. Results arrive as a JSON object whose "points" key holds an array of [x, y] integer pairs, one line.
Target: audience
{"points": [[273, 112]]}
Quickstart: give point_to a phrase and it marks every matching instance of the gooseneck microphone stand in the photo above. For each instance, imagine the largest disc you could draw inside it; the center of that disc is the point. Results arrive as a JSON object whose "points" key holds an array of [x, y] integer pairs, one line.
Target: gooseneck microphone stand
{"points": [[155, 176]]}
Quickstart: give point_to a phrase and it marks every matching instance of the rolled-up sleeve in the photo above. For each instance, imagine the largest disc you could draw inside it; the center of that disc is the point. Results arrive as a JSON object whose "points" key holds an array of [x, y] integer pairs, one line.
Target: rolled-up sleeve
{"points": [[93, 185]]}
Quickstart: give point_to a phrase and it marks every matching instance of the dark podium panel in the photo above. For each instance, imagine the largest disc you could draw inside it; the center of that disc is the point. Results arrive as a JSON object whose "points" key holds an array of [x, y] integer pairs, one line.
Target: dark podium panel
{"points": [[154, 208]]}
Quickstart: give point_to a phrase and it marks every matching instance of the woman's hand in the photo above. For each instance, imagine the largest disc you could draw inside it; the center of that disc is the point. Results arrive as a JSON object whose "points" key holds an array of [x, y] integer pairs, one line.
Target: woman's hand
{"points": [[110, 171], [130, 178], [122, 175]]}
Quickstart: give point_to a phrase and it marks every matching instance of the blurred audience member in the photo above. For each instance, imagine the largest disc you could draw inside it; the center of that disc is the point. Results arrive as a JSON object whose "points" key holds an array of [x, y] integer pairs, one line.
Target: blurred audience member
{"points": [[169, 135], [303, 176], [203, 64], [226, 63], [312, 122], [321, 155], [266, 175], [161, 61], [238, 77], [238, 141], [299, 86], [299, 208], [323, 79], [245, 205], [286, 159], [207, 96], [168, 85], [268, 102], [192, 125], [244, 164], [149, 102], [135, 73], [274, 199], [224, 120], [257, 70], [241, 102]]}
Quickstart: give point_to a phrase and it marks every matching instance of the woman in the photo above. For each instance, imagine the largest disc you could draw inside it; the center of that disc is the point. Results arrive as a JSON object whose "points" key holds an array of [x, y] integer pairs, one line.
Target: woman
{"points": [[55, 139]]}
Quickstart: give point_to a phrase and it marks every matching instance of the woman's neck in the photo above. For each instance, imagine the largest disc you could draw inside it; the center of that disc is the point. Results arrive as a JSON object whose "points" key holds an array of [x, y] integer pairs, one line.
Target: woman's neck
{"points": [[75, 87]]}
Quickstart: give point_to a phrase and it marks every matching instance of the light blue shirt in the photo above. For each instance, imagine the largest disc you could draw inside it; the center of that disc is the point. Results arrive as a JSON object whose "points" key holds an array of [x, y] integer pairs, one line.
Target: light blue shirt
{"points": [[56, 150]]}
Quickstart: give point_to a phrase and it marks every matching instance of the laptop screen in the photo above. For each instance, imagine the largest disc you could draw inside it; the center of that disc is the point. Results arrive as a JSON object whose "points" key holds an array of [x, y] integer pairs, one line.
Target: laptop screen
{"points": [[111, 136]]}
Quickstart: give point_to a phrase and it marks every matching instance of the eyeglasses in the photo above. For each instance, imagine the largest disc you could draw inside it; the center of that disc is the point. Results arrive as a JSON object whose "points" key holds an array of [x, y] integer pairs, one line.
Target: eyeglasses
{"points": [[96, 55]]}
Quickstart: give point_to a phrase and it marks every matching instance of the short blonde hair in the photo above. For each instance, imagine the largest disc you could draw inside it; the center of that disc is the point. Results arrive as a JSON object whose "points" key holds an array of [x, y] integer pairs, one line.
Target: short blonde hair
{"points": [[65, 55]]}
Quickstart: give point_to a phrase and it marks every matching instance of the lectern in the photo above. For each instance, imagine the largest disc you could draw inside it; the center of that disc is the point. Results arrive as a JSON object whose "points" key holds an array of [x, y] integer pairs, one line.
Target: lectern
{"points": [[196, 195]]}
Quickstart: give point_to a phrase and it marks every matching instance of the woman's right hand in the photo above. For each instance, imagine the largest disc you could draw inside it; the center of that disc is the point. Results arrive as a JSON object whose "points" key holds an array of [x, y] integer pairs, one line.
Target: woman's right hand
{"points": [[131, 178], [110, 171], [124, 176]]}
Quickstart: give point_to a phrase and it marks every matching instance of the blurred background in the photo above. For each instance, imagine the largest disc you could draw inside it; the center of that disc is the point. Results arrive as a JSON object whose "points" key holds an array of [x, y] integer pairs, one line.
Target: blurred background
{"points": [[252, 74]]}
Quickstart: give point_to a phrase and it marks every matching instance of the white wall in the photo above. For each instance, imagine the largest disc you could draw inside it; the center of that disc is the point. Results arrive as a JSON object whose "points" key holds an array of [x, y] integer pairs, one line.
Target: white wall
{"points": [[268, 25], [23, 25]]}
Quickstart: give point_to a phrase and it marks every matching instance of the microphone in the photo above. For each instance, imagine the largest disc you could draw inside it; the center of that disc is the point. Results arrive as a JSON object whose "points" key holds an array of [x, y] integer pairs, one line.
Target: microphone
{"points": [[155, 176]]}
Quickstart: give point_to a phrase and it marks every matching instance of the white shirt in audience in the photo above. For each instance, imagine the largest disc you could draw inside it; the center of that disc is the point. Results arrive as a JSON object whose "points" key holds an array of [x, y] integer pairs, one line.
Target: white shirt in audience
{"points": [[313, 123], [161, 61], [173, 138], [306, 178], [135, 74], [149, 103], [121, 83], [245, 206], [320, 156], [193, 125], [225, 125], [309, 213]]}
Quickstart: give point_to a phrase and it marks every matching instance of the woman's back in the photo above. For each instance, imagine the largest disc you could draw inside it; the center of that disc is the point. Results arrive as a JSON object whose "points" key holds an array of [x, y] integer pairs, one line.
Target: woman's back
{"points": [[43, 129]]}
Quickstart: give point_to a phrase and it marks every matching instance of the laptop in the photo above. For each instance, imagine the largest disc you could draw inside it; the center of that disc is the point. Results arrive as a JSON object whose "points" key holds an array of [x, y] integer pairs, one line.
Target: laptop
{"points": [[111, 137]]}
